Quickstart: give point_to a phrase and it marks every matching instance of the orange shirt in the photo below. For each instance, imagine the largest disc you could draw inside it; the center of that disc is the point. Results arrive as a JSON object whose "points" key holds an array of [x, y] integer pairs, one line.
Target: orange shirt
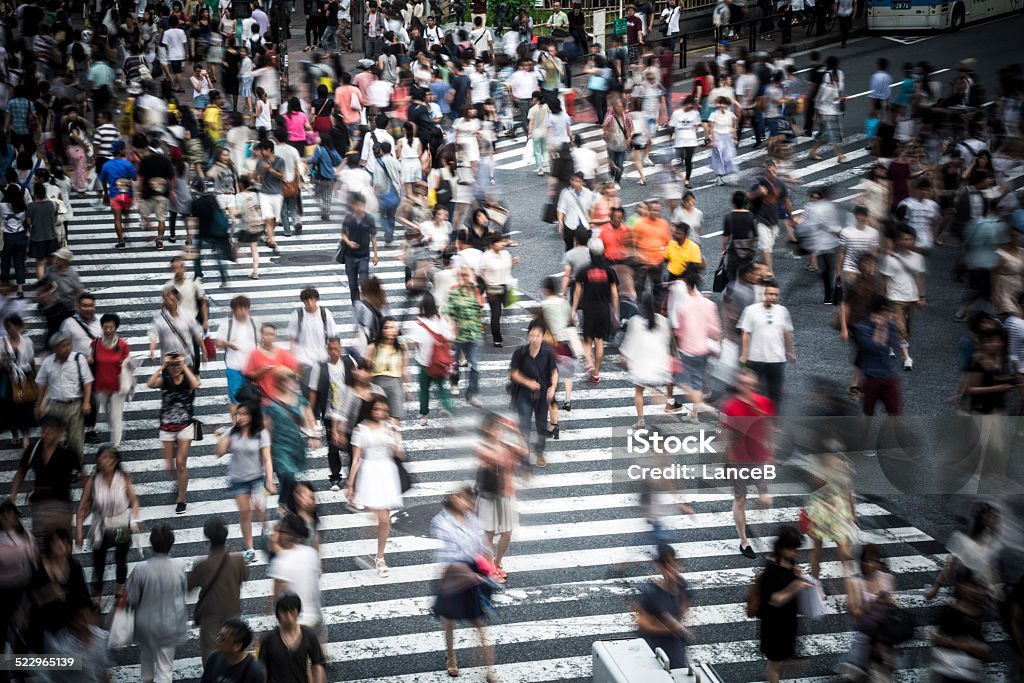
{"points": [[651, 237]]}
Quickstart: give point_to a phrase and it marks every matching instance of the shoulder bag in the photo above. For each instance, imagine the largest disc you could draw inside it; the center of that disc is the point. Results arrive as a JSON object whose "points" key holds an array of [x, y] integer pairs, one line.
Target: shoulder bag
{"points": [[205, 590]]}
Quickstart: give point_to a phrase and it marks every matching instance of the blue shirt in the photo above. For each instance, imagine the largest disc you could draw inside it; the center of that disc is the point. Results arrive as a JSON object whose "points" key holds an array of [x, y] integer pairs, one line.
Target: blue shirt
{"points": [[874, 359], [118, 174], [440, 89], [880, 82]]}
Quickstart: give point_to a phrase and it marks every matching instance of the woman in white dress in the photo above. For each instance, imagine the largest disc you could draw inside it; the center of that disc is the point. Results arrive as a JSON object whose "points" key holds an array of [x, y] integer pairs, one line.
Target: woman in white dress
{"points": [[724, 135], [410, 157], [374, 480], [467, 137], [646, 352]]}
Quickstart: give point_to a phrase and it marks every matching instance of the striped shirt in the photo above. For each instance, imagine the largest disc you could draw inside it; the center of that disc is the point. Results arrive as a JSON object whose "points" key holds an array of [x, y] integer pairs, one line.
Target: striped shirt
{"points": [[104, 137], [857, 243], [459, 542]]}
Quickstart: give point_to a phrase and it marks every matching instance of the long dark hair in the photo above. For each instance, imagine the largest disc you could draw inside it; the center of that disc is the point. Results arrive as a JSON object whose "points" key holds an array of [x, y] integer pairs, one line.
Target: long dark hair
{"points": [[255, 419], [14, 196], [648, 312]]}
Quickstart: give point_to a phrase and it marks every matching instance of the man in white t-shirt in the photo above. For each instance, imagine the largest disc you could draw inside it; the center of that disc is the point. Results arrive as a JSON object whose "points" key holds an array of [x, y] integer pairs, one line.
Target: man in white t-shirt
{"points": [[904, 269], [923, 214], [309, 328], [479, 84], [296, 569], [522, 84], [174, 41], [236, 338], [193, 303], [684, 123], [767, 341], [291, 207]]}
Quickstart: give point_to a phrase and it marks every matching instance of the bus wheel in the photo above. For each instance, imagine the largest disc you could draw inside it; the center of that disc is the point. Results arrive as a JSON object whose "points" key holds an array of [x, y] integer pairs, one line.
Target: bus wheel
{"points": [[959, 18]]}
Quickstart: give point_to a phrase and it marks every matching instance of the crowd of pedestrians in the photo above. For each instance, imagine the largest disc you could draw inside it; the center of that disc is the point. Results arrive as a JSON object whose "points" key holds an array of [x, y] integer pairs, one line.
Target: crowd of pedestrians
{"points": [[403, 150]]}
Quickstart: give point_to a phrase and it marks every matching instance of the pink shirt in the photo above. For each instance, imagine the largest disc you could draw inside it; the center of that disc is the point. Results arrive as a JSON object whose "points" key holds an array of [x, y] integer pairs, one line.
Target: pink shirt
{"points": [[696, 322], [295, 124]]}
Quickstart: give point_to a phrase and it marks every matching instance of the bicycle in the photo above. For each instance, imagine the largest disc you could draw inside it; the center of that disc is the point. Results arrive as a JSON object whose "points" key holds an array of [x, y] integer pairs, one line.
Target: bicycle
{"points": [[810, 21]]}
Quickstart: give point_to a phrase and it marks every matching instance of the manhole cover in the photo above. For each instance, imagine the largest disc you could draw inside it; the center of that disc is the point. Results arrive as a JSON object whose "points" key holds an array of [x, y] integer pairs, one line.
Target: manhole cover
{"points": [[307, 258]]}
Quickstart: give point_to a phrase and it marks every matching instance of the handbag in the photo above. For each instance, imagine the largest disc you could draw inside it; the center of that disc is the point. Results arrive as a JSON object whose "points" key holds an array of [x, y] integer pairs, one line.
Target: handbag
{"points": [[24, 390], [404, 478], [126, 378], [339, 256], [487, 482], [721, 278], [211, 348], [198, 434], [196, 613], [528, 157], [290, 188], [559, 33]]}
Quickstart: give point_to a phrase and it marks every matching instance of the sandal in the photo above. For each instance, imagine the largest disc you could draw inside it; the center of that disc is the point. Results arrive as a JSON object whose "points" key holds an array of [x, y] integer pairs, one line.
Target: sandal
{"points": [[501, 572], [382, 568], [254, 276], [159, 245], [811, 269], [452, 665]]}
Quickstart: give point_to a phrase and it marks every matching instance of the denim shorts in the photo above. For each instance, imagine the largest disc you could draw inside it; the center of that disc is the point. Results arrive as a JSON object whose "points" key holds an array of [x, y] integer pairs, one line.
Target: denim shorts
{"points": [[240, 488], [693, 371]]}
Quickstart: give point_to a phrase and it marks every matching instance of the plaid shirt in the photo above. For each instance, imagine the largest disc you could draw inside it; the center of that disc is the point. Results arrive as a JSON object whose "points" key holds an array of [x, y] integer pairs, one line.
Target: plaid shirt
{"points": [[466, 312], [19, 109]]}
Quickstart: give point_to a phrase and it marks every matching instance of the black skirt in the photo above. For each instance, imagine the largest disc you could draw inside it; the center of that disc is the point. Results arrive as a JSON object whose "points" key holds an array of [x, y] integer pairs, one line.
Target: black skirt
{"points": [[464, 606]]}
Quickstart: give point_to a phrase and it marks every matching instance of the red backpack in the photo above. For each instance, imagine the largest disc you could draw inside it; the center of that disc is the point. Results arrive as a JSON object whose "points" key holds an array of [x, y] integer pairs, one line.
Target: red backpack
{"points": [[441, 358]]}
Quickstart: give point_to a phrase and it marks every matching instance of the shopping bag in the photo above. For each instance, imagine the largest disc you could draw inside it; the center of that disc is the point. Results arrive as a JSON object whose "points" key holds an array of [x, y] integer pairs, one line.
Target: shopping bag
{"points": [[512, 293], [728, 361], [528, 152], [811, 600], [122, 625]]}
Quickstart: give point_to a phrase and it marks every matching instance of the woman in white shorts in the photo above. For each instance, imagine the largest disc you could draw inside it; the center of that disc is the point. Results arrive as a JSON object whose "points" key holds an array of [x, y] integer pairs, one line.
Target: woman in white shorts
{"points": [[177, 385]]}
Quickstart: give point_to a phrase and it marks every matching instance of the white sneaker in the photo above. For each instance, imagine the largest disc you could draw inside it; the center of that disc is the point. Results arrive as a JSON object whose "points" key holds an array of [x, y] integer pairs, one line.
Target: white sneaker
{"points": [[908, 364], [335, 487], [423, 420], [648, 162], [455, 390]]}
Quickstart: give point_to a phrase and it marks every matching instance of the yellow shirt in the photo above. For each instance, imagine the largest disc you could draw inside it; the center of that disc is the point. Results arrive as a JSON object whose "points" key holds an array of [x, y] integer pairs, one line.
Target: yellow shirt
{"points": [[678, 255], [214, 123]]}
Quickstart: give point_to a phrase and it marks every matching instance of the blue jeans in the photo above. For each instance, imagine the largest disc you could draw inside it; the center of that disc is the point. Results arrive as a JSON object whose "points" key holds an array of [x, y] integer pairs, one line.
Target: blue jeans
{"points": [[388, 204], [357, 268], [290, 216], [618, 159], [15, 248], [220, 248], [471, 350], [533, 405]]}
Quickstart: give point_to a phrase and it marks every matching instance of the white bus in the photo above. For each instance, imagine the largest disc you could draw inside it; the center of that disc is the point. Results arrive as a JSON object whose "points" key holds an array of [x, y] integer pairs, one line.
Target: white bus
{"points": [[911, 15]]}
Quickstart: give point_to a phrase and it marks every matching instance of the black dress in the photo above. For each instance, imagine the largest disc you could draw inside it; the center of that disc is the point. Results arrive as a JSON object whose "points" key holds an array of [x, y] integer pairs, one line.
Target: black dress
{"points": [[229, 74], [655, 600], [778, 624]]}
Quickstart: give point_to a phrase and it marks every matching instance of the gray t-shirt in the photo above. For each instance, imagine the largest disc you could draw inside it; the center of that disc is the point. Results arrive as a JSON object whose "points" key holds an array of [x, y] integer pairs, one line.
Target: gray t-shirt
{"points": [[772, 100], [246, 461], [576, 258], [270, 183], [42, 219]]}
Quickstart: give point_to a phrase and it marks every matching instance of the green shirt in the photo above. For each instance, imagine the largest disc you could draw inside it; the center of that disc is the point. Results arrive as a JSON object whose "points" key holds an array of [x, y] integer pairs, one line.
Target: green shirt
{"points": [[464, 309], [287, 442]]}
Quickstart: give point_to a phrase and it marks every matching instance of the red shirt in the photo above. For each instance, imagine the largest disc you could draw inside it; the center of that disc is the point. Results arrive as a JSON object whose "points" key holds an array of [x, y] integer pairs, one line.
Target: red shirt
{"points": [[616, 241], [633, 26], [107, 366], [751, 442], [665, 62], [260, 359]]}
